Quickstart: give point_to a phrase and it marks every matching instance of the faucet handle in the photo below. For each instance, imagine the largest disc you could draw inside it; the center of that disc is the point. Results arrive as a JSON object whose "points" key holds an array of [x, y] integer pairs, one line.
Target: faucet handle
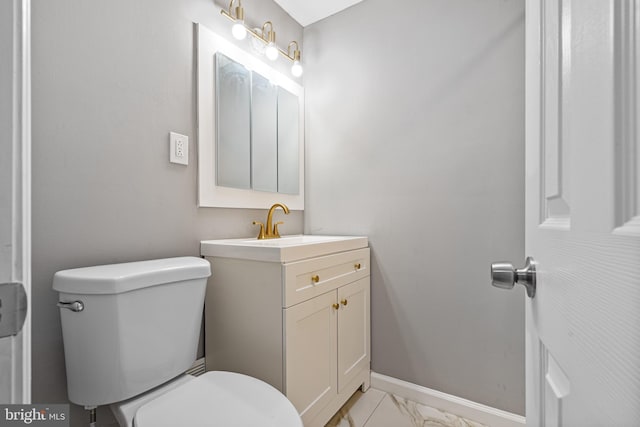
{"points": [[275, 229], [261, 235]]}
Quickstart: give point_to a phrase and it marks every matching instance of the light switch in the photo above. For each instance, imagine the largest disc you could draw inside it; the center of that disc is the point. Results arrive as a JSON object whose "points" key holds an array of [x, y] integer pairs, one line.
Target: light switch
{"points": [[178, 148]]}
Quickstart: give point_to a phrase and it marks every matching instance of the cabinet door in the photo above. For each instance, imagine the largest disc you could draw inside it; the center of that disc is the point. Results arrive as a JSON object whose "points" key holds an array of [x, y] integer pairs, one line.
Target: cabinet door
{"points": [[310, 349], [353, 331]]}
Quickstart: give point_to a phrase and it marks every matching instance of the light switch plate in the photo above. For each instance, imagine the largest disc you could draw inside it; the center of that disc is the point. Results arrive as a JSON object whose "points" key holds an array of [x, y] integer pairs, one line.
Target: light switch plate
{"points": [[178, 148]]}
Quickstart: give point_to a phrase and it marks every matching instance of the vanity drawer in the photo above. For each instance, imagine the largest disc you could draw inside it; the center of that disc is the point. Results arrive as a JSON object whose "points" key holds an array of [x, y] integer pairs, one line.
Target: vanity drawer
{"points": [[309, 278]]}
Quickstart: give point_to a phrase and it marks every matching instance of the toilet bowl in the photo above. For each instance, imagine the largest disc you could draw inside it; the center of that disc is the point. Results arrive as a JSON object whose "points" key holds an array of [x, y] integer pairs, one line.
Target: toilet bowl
{"points": [[215, 398], [131, 330]]}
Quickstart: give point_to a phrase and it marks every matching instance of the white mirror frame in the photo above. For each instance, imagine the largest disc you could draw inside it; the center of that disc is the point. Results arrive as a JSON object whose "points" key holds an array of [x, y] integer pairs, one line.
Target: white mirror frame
{"points": [[209, 194]]}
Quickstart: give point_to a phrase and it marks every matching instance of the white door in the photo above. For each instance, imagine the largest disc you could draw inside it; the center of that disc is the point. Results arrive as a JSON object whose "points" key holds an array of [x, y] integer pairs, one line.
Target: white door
{"points": [[583, 212], [15, 267]]}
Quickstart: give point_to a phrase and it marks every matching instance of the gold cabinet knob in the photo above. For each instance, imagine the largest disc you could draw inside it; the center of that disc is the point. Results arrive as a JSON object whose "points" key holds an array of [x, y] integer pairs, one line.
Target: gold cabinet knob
{"points": [[357, 266], [344, 302], [335, 305], [315, 279]]}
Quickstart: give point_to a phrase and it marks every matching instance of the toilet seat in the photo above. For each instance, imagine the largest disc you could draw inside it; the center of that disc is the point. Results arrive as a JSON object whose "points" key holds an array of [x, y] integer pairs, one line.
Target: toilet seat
{"points": [[219, 398]]}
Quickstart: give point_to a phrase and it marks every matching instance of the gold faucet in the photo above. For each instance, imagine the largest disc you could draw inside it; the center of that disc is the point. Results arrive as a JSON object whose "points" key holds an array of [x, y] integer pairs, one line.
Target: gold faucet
{"points": [[271, 229]]}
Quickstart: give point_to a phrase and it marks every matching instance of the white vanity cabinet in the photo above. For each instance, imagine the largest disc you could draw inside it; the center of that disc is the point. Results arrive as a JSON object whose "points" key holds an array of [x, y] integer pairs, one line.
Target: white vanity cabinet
{"points": [[302, 326]]}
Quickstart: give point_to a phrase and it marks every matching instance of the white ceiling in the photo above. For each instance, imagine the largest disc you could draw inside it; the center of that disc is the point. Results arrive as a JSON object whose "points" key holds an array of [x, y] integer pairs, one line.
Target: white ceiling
{"points": [[307, 12]]}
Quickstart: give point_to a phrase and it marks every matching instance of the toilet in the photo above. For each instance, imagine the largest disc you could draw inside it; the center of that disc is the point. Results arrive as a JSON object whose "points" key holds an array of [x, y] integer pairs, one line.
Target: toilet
{"points": [[130, 332]]}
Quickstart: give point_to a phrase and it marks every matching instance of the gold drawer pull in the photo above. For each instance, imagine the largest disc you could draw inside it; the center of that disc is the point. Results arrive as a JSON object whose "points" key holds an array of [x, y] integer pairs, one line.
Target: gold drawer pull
{"points": [[335, 306], [315, 279], [357, 266], [344, 302]]}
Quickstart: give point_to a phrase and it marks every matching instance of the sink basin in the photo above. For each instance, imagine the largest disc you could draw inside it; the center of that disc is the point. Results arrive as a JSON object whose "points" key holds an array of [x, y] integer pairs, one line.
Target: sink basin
{"points": [[284, 249]]}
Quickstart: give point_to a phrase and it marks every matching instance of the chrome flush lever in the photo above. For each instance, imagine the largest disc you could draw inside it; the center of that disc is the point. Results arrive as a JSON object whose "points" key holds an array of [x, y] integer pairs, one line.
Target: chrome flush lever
{"points": [[505, 276], [76, 306]]}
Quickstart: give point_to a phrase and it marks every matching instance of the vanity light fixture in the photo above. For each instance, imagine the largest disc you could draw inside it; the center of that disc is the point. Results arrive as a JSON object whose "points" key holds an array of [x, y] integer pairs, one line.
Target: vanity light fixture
{"points": [[271, 51], [296, 68], [266, 35], [238, 30]]}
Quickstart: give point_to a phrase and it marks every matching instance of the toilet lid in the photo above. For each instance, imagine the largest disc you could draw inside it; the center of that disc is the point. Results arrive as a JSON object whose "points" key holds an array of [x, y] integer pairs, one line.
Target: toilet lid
{"points": [[220, 398]]}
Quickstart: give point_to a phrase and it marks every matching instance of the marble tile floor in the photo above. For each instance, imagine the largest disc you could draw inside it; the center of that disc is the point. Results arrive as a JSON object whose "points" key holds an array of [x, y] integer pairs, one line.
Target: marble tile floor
{"points": [[376, 408]]}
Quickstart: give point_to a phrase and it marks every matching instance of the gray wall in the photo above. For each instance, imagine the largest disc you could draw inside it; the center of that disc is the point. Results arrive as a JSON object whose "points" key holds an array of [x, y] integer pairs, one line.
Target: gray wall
{"points": [[110, 80], [415, 136], [402, 153]]}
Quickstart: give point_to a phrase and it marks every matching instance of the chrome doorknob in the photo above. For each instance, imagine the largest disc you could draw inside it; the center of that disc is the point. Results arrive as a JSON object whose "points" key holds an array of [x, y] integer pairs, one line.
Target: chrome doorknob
{"points": [[505, 276]]}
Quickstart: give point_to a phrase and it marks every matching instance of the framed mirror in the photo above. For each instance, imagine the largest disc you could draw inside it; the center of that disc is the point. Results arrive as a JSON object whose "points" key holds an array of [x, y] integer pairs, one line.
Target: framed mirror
{"points": [[250, 129]]}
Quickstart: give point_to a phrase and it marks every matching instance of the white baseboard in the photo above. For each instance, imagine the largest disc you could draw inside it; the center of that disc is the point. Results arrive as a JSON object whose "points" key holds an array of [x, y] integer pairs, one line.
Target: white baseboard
{"points": [[465, 408]]}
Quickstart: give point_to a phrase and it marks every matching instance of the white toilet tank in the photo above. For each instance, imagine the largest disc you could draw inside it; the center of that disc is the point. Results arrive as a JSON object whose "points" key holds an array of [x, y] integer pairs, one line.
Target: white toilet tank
{"points": [[138, 327]]}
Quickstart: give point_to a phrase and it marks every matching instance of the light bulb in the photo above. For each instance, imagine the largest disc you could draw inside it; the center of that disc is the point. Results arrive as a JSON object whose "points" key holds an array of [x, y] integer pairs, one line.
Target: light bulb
{"points": [[238, 30], [296, 68], [271, 51]]}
